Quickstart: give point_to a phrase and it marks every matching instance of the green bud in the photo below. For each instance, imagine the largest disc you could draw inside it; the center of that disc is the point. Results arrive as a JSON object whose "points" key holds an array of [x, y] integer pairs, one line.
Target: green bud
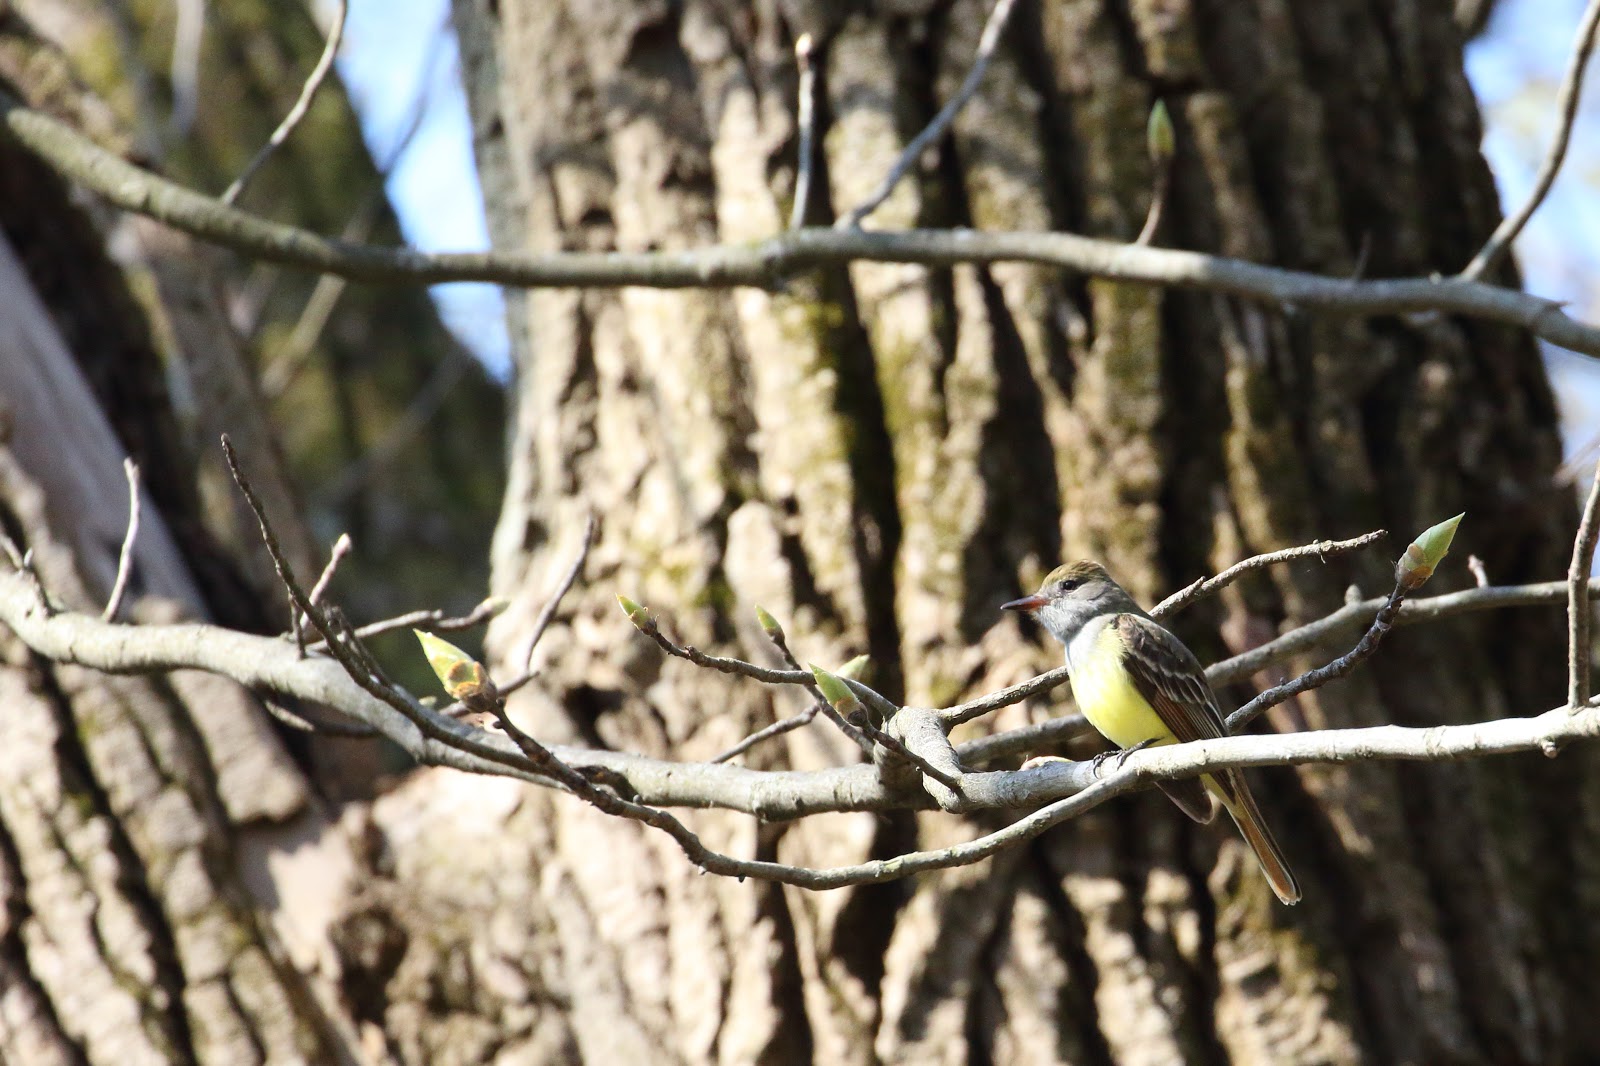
{"points": [[461, 675], [1160, 138], [769, 624], [834, 690], [855, 669], [1423, 555], [637, 614]]}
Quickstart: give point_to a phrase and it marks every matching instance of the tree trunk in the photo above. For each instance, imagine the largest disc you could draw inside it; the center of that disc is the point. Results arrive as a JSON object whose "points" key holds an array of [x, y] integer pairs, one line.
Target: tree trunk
{"points": [[880, 455]]}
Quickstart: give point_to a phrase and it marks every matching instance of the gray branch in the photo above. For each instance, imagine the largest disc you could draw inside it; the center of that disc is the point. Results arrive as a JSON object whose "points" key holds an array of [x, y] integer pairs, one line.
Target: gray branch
{"points": [[768, 263]]}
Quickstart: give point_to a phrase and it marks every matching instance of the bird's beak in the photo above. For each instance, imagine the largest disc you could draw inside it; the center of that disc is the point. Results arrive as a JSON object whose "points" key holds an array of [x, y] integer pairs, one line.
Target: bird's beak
{"points": [[1027, 603]]}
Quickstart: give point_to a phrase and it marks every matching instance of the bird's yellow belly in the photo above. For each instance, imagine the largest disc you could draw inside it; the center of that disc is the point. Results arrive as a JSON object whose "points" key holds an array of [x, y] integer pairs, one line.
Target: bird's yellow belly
{"points": [[1107, 697]]}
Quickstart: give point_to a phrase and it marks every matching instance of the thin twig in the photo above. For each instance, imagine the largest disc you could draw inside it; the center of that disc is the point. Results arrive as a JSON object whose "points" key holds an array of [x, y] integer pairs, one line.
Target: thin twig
{"points": [[298, 111], [1211, 585], [299, 722], [776, 729], [941, 122], [806, 117], [125, 558], [341, 548], [433, 619], [1158, 203], [1480, 574], [780, 641], [1025, 739], [22, 563], [966, 712], [548, 613], [286, 363], [1570, 96], [1320, 676], [1580, 616]]}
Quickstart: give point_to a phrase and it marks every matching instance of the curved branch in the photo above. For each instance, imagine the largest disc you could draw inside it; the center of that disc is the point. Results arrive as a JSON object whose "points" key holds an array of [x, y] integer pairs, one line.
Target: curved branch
{"points": [[768, 263], [301, 105]]}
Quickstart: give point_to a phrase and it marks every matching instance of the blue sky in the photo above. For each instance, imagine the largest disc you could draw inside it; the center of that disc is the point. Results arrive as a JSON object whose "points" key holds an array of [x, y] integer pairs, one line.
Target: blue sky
{"points": [[397, 51]]}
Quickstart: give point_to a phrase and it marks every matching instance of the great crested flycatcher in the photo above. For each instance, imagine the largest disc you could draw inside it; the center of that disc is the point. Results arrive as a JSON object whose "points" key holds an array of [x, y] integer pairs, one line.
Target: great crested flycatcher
{"points": [[1140, 686]]}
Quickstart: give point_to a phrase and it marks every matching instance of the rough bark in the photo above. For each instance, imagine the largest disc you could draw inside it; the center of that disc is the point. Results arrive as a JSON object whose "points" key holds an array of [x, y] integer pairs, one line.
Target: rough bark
{"points": [[150, 830], [882, 454]]}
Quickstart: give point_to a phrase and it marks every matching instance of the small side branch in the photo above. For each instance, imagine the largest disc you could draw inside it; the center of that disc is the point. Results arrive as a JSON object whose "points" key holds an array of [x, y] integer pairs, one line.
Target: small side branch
{"points": [[298, 111], [776, 729], [941, 122], [553, 604], [1320, 676], [1580, 616], [125, 558], [341, 548], [1212, 585], [1571, 95], [806, 118]]}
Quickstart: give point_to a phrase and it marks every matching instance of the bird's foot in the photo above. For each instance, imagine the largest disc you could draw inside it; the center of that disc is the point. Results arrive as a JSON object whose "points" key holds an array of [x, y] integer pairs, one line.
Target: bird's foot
{"points": [[1121, 755]]}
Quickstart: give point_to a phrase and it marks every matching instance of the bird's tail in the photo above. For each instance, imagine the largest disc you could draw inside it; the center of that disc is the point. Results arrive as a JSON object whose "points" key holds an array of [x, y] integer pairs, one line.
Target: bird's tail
{"points": [[1235, 796]]}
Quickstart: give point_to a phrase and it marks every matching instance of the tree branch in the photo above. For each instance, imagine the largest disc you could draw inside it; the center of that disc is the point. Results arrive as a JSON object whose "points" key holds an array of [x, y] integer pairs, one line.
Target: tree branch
{"points": [[766, 264], [298, 111], [1580, 615], [806, 118], [131, 538], [987, 42], [1211, 585], [1571, 95]]}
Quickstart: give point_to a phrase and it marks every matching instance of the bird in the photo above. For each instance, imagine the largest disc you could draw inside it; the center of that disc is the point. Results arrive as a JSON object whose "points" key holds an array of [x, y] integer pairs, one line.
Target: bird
{"points": [[1140, 686]]}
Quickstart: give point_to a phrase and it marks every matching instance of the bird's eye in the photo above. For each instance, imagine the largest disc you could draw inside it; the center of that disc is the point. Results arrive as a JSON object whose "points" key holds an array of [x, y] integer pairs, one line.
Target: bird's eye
{"points": [[1065, 585]]}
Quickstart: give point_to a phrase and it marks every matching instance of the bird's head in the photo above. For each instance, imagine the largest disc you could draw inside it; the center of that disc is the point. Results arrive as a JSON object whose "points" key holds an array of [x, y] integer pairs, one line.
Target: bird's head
{"points": [[1070, 596]]}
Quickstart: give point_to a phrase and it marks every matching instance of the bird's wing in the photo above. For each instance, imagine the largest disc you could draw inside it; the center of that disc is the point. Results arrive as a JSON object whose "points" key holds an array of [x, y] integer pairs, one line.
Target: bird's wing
{"points": [[1171, 679]]}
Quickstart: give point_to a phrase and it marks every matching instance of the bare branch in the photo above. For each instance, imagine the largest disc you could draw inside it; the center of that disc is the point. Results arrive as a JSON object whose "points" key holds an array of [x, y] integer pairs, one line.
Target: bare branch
{"points": [[781, 641], [551, 605], [301, 105], [434, 619], [895, 745], [263, 662], [767, 264], [1361, 612], [1571, 95], [1580, 616], [1480, 574], [341, 548], [806, 119], [1212, 585], [1301, 639], [1158, 203], [987, 43], [22, 563], [776, 729], [125, 558], [1382, 622], [1026, 739], [299, 722], [966, 712]]}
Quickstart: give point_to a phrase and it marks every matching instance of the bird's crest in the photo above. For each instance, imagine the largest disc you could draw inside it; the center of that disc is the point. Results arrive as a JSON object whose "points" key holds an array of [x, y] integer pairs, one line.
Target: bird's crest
{"points": [[1071, 575]]}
